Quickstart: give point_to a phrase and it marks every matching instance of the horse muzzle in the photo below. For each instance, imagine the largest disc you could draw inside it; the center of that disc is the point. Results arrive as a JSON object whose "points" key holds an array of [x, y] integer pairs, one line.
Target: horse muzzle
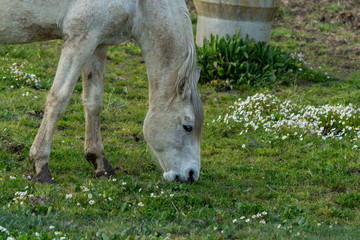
{"points": [[189, 175]]}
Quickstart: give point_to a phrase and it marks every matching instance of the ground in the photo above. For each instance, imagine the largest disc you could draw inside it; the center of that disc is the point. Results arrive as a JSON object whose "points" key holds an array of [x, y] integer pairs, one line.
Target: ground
{"points": [[253, 185], [327, 29]]}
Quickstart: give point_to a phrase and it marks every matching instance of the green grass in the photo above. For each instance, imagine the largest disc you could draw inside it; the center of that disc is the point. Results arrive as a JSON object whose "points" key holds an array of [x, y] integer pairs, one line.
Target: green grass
{"points": [[310, 187], [298, 184], [327, 27]]}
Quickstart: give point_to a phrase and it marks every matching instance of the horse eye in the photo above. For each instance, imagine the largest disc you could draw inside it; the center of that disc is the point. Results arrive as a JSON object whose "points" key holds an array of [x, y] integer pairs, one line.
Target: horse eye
{"points": [[188, 128]]}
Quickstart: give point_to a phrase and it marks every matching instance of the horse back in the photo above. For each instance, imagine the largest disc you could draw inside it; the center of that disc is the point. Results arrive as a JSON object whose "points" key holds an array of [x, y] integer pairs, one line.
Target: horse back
{"points": [[39, 20]]}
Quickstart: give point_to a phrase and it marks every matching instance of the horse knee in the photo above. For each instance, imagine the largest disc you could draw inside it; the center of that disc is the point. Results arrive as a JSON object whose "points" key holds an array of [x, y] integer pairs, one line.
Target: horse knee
{"points": [[57, 98], [92, 106]]}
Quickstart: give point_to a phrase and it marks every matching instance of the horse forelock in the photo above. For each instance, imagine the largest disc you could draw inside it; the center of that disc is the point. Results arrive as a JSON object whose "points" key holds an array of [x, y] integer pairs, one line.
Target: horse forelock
{"points": [[186, 79]]}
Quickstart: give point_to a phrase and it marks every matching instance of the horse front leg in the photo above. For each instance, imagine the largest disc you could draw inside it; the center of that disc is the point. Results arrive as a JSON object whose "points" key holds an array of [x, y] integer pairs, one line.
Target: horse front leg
{"points": [[93, 94], [72, 59]]}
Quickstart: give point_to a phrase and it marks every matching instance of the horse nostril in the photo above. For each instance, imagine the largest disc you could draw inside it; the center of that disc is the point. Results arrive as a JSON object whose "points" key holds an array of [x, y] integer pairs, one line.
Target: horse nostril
{"points": [[177, 178], [191, 176]]}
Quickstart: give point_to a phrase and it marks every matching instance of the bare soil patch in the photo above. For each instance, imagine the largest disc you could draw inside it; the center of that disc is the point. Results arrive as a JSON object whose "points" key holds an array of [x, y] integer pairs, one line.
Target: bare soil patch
{"points": [[10, 145], [328, 32]]}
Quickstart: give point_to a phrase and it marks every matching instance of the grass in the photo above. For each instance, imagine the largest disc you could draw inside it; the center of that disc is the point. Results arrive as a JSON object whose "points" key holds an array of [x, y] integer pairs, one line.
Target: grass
{"points": [[301, 189]]}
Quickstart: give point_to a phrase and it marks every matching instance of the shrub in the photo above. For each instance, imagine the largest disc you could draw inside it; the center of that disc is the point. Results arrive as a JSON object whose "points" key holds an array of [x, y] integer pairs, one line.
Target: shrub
{"points": [[229, 63]]}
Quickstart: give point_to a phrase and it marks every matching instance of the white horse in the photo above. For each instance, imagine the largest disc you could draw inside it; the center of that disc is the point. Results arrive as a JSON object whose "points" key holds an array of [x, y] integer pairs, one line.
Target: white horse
{"points": [[162, 28]]}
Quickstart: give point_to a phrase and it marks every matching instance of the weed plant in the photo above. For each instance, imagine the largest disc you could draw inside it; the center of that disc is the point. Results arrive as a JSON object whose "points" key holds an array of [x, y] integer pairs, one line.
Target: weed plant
{"points": [[284, 119], [16, 77]]}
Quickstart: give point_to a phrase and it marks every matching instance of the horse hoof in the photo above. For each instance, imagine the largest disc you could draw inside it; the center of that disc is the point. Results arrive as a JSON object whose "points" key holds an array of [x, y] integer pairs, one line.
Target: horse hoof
{"points": [[44, 176]]}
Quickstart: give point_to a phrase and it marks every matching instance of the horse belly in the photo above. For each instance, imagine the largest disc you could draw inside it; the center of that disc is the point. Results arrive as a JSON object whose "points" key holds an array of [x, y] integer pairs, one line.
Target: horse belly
{"points": [[29, 21], [29, 33]]}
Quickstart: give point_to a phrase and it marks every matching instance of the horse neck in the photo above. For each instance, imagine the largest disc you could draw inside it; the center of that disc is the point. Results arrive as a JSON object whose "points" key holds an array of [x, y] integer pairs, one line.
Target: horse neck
{"points": [[164, 33]]}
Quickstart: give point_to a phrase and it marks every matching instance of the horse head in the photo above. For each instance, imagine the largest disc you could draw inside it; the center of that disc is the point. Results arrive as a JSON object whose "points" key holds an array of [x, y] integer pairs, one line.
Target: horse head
{"points": [[173, 131]]}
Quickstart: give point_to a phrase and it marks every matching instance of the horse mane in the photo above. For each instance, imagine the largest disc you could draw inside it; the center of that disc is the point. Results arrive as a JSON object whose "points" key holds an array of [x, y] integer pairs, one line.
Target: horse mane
{"points": [[186, 79]]}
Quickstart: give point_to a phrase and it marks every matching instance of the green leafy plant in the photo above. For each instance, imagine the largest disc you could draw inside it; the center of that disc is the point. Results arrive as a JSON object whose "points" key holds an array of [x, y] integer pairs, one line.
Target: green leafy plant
{"points": [[229, 63]]}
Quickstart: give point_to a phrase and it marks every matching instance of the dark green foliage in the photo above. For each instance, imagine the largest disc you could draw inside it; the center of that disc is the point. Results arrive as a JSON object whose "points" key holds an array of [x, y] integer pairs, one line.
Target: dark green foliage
{"points": [[229, 63]]}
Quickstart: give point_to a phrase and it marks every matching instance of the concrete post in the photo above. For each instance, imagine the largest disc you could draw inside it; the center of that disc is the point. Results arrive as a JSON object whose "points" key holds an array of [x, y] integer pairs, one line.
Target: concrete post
{"points": [[221, 17]]}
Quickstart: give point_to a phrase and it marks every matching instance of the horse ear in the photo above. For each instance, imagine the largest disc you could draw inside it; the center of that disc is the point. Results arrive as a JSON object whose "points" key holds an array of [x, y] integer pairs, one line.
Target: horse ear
{"points": [[197, 74]]}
